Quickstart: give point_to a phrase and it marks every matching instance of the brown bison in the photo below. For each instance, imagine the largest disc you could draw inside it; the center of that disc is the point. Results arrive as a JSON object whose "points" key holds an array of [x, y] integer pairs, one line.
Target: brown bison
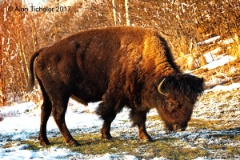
{"points": [[120, 66]]}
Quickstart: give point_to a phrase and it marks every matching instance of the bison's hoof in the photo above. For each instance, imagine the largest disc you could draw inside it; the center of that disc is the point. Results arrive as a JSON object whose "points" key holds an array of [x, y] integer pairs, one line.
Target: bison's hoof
{"points": [[169, 131], [73, 143], [147, 140], [107, 137], [44, 143]]}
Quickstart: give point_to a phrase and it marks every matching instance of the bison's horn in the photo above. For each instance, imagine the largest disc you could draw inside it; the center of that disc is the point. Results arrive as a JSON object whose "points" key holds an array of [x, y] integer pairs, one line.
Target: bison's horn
{"points": [[160, 86]]}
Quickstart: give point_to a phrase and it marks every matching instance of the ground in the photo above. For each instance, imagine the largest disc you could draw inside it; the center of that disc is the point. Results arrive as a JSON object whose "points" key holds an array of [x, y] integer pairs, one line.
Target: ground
{"points": [[213, 132]]}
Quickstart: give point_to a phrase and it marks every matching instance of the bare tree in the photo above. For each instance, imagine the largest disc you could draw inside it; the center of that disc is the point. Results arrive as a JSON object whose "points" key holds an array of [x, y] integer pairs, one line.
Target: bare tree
{"points": [[127, 14], [114, 12]]}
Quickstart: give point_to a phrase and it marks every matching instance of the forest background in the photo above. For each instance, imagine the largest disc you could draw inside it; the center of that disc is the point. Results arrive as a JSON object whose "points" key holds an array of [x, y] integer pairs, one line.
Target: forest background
{"points": [[184, 23]]}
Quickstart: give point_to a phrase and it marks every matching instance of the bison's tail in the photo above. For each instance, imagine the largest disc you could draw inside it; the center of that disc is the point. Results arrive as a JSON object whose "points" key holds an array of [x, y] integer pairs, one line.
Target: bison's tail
{"points": [[31, 71]]}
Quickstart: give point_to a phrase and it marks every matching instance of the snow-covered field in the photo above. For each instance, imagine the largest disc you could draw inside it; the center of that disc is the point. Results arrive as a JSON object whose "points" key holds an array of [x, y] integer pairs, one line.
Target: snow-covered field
{"points": [[21, 122]]}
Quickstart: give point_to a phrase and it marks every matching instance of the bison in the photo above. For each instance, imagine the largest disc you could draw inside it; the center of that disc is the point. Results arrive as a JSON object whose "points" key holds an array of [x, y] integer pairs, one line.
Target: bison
{"points": [[119, 66]]}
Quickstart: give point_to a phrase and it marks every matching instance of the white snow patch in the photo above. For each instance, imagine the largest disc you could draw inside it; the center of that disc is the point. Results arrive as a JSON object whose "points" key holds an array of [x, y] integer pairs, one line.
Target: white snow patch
{"points": [[210, 40], [19, 152], [210, 56], [227, 41], [224, 88], [115, 156], [220, 62]]}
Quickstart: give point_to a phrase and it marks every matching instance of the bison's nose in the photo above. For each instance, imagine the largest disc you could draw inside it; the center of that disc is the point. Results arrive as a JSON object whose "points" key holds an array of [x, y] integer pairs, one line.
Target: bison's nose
{"points": [[183, 129], [178, 128]]}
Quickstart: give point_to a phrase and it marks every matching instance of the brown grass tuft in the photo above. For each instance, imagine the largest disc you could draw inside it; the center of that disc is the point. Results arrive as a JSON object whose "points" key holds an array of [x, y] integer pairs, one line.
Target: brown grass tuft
{"points": [[234, 48]]}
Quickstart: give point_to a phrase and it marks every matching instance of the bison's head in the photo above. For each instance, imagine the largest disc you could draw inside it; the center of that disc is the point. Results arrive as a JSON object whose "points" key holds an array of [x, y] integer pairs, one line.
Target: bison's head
{"points": [[178, 96]]}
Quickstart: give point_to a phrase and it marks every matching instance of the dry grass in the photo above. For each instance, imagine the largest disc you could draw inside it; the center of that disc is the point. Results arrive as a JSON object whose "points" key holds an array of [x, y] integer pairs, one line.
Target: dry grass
{"points": [[234, 48], [91, 144]]}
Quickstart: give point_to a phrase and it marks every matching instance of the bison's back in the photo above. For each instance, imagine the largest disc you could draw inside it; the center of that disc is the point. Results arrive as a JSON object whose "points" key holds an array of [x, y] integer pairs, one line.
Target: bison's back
{"points": [[115, 58], [103, 51]]}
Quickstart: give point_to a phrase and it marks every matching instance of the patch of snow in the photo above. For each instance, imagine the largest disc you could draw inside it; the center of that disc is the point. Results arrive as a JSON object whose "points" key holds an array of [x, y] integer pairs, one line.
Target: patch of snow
{"points": [[20, 152], [210, 40], [22, 108], [210, 56], [201, 158], [220, 62], [160, 158], [115, 156], [34, 3], [227, 41], [224, 88]]}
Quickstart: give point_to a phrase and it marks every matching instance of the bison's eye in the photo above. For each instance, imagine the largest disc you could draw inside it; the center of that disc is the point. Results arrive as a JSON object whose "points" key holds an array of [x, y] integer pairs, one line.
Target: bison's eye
{"points": [[168, 82], [179, 106]]}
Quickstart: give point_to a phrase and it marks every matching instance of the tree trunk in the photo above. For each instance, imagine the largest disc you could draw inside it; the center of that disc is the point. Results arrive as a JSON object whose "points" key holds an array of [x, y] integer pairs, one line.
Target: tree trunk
{"points": [[114, 12], [127, 14]]}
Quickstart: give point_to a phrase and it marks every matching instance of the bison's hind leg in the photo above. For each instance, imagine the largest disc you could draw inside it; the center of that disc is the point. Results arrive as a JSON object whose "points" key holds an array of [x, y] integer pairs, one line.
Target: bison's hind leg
{"points": [[60, 102], [55, 101], [46, 109], [139, 118]]}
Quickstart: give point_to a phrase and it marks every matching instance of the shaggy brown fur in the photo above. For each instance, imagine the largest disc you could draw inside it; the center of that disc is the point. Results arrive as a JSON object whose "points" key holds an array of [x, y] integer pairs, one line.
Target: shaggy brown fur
{"points": [[120, 66]]}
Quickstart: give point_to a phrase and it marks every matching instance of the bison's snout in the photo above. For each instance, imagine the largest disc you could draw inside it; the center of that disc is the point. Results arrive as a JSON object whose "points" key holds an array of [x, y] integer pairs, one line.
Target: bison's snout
{"points": [[178, 128], [175, 128]]}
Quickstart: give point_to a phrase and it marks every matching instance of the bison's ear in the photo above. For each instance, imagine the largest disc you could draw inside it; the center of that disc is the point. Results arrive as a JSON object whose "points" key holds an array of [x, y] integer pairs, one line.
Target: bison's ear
{"points": [[191, 84], [200, 85], [197, 84], [161, 88]]}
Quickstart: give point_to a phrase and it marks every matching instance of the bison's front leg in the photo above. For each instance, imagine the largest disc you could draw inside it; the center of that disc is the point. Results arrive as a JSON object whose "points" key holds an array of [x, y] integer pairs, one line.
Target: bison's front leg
{"points": [[108, 115], [139, 119]]}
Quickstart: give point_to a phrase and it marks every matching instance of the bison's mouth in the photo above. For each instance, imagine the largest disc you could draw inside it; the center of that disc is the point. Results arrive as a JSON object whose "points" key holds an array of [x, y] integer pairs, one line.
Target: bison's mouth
{"points": [[175, 128], [178, 128]]}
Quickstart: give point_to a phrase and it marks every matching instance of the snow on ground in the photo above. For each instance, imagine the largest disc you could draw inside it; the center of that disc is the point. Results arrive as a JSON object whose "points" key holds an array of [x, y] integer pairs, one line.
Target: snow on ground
{"points": [[21, 122], [210, 40], [213, 59], [217, 61], [224, 88]]}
